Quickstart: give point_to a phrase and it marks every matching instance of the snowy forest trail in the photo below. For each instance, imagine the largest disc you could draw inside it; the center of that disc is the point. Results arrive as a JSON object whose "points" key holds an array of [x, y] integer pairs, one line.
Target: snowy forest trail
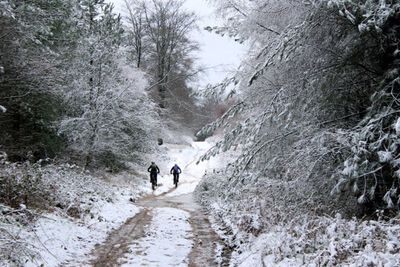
{"points": [[171, 229]]}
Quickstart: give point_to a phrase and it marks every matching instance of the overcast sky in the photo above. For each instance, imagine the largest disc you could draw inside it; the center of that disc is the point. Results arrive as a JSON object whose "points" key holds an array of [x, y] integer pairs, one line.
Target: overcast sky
{"points": [[220, 55]]}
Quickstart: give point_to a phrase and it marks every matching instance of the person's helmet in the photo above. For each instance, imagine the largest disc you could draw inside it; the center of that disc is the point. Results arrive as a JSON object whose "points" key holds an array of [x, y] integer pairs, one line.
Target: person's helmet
{"points": [[153, 162]]}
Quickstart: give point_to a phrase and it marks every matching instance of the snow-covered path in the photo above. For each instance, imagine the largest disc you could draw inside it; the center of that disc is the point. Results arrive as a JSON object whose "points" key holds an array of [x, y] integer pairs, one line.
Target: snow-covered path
{"points": [[170, 229], [166, 241]]}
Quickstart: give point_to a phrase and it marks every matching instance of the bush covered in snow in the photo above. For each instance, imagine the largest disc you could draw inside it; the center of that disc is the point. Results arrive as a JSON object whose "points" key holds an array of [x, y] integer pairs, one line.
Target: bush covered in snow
{"points": [[28, 191], [324, 241], [261, 233], [22, 184], [13, 249]]}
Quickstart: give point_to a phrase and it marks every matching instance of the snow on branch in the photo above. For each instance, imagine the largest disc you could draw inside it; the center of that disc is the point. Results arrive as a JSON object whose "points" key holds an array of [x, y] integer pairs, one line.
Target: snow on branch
{"points": [[285, 44], [367, 15], [210, 128]]}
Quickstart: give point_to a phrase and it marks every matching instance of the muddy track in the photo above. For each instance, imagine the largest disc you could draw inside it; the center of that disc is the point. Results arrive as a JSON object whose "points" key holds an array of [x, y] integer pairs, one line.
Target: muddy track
{"points": [[205, 240], [118, 242], [205, 243]]}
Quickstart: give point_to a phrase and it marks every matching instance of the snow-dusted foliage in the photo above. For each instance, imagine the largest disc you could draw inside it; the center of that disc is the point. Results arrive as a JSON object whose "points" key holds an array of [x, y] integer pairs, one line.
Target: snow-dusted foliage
{"points": [[374, 143], [110, 118], [5, 8], [117, 118], [318, 125], [320, 94], [12, 246], [29, 76], [20, 184], [67, 191], [66, 83], [263, 233]]}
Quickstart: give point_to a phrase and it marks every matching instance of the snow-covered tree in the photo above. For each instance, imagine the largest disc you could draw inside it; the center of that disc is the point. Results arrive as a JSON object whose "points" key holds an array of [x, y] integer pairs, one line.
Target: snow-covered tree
{"points": [[136, 29], [318, 90], [162, 28], [30, 75], [109, 106]]}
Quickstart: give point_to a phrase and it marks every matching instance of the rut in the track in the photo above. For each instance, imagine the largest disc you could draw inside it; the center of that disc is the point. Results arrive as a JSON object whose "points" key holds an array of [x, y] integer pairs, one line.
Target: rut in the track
{"points": [[205, 240], [117, 244]]}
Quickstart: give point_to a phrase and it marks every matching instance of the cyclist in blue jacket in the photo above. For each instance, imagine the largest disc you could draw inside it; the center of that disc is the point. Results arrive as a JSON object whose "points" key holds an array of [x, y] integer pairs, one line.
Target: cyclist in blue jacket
{"points": [[175, 170]]}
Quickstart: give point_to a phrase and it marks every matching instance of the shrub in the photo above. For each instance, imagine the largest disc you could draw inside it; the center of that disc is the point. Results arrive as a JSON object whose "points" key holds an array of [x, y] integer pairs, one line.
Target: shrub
{"points": [[22, 183]]}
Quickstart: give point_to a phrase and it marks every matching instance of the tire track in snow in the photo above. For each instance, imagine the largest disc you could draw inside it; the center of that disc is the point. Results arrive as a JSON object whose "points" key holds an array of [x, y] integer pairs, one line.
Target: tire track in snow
{"points": [[205, 241], [118, 242], [168, 240]]}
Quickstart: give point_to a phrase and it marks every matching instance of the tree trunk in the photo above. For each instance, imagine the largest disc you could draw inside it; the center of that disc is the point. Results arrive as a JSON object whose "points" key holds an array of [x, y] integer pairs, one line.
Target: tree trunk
{"points": [[89, 156]]}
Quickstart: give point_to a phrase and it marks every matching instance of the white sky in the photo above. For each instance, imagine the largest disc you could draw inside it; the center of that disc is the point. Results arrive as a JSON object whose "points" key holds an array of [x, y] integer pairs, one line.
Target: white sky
{"points": [[220, 55]]}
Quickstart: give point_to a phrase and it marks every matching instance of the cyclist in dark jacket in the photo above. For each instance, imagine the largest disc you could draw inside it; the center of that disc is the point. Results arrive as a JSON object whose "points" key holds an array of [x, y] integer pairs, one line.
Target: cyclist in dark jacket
{"points": [[154, 170], [175, 170]]}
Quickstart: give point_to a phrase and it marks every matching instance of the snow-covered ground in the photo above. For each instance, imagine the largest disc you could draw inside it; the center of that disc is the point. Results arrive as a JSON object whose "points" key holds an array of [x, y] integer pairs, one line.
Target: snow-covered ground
{"points": [[167, 242], [324, 241], [167, 235], [307, 240], [61, 240]]}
